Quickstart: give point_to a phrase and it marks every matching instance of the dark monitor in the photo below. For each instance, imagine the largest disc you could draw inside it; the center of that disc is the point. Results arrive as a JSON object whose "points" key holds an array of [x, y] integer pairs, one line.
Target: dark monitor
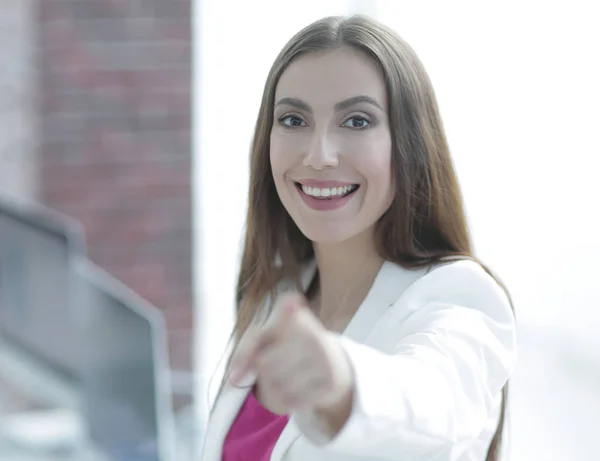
{"points": [[37, 249], [125, 377]]}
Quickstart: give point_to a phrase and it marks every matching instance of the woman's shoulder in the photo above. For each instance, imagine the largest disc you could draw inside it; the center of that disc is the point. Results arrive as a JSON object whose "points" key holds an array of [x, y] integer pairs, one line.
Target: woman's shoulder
{"points": [[459, 281], [454, 296]]}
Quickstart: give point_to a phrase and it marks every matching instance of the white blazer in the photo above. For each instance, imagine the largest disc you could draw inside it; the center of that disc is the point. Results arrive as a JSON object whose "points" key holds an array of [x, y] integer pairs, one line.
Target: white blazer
{"points": [[431, 352]]}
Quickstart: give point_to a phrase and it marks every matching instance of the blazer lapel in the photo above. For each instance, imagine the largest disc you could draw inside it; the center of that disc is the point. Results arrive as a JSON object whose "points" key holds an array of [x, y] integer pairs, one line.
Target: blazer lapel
{"points": [[389, 285], [224, 413]]}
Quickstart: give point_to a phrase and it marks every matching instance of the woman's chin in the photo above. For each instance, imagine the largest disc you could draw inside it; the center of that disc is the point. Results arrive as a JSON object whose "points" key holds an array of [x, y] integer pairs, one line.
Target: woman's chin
{"points": [[324, 235]]}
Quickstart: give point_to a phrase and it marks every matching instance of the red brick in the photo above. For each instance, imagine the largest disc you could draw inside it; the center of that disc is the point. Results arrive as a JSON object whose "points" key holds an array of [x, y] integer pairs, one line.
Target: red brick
{"points": [[116, 151]]}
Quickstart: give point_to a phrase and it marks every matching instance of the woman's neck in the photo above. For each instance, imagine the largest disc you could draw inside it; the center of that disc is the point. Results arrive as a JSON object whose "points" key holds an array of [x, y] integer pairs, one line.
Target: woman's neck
{"points": [[346, 272]]}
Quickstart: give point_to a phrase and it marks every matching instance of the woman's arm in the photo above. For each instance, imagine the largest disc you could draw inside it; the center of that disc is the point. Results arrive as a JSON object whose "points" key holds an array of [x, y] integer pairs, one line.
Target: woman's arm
{"points": [[432, 391]]}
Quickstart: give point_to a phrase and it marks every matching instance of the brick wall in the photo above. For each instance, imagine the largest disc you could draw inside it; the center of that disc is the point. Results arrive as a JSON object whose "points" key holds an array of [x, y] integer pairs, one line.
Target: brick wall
{"points": [[18, 134], [115, 141]]}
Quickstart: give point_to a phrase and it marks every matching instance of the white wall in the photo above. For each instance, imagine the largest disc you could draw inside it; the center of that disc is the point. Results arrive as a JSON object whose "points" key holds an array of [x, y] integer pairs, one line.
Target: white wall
{"points": [[519, 92], [517, 83]]}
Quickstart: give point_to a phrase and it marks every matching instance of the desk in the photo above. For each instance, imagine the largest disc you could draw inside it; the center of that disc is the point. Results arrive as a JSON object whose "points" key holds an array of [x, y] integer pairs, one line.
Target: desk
{"points": [[36, 403]]}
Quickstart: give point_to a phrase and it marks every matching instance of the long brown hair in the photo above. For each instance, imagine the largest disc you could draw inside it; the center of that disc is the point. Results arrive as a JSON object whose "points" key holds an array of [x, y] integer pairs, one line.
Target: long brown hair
{"points": [[426, 222]]}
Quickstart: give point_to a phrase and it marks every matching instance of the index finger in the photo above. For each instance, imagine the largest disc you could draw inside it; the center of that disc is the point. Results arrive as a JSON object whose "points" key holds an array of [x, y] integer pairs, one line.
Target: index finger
{"points": [[284, 313]]}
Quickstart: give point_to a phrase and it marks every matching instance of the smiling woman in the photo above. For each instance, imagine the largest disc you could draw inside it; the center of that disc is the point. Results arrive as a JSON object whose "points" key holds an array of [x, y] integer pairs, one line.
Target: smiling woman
{"points": [[398, 343]]}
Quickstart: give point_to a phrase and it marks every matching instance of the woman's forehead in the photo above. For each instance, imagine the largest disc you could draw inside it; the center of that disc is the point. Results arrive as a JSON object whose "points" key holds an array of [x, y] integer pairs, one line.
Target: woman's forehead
{"points": [[326, 78]]}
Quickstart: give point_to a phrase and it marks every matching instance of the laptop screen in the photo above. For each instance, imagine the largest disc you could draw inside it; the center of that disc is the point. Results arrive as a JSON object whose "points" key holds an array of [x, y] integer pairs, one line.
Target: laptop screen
{"points": [[125, 387], [37, 248]]}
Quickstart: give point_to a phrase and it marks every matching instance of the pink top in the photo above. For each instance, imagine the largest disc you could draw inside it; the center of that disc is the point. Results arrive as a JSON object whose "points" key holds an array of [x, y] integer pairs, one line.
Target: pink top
{"points": [[254, 432]]}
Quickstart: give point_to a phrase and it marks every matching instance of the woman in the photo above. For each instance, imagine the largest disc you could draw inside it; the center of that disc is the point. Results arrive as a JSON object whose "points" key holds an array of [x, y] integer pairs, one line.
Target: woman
{"points": [[397, 343]]}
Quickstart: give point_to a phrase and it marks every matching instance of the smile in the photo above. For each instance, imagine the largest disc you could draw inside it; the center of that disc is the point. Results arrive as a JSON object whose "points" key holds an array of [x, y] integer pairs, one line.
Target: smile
{"points": [[328, 193], [326, 198]]}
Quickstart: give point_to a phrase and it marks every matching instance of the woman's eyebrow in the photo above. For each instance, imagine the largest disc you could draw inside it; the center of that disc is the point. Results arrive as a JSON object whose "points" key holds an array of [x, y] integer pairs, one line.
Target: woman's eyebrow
{"points": [[345, 104], [297, 103]]}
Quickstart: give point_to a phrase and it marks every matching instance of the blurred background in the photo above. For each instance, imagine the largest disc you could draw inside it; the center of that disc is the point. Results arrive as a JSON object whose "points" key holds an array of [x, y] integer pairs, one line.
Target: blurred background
{"points": [[125, 128]]}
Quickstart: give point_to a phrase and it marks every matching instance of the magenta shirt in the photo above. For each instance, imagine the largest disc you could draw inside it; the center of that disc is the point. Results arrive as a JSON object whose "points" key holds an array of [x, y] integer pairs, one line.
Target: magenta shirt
{"points": [[254, 432]]}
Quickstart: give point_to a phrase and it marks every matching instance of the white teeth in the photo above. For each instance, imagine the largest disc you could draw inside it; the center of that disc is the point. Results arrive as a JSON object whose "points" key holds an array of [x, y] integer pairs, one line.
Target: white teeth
{"points": [[327, 192]]}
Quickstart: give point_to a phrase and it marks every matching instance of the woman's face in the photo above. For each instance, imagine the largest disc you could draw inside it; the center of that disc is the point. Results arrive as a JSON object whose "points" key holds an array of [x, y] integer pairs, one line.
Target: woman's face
{"points": [[331, 144]]}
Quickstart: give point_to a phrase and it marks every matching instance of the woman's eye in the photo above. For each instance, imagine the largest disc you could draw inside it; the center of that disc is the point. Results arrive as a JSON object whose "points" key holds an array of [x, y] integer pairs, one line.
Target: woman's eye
{"points": [[291, 121], [357, 122]]}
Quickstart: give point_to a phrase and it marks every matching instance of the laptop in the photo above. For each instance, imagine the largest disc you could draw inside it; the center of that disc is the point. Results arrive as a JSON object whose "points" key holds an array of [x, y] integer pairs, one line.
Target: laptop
{"points": [[125, 375]]}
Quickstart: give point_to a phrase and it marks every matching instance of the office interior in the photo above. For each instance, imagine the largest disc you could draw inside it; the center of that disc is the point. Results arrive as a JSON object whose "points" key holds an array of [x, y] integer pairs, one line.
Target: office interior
{"points": [[119, 249]]}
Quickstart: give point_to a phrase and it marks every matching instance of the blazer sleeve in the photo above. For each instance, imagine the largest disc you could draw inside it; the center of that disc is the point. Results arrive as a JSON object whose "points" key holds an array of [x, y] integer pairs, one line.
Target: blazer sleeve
{"points": [[432, 391]]}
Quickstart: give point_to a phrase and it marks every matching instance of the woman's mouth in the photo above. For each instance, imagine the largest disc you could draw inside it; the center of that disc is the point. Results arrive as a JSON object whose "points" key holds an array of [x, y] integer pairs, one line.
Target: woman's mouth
{"points": [[328, 193]]}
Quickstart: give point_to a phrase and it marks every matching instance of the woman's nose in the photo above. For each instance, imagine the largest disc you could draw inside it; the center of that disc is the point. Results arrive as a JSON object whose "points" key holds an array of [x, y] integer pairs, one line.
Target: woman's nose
{"points": [[322, 153]]}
